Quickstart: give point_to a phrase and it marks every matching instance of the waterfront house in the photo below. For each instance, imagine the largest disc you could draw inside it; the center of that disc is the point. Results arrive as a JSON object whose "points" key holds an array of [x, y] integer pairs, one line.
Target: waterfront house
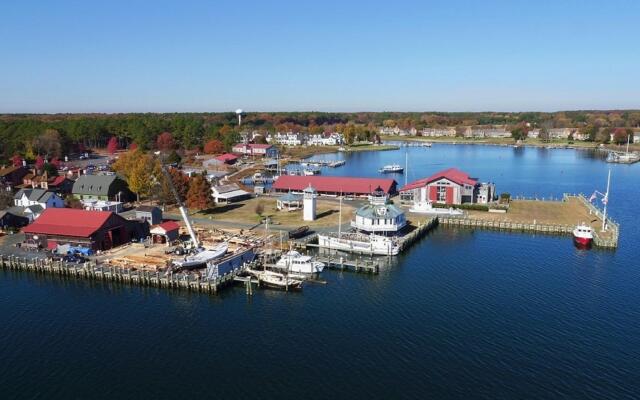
{"points": [[560, 133], [94, 230], [256, 150], [326, 139], [379, 215], [438, 132], [334, 185], [41, 197], [150, 214], [487, 132], [450, 186], [101, 187], [225, 194]]}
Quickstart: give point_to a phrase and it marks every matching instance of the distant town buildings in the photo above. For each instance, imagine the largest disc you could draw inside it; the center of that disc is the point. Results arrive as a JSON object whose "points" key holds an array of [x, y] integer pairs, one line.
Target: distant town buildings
{"points": [[299, 139], [255, 150]]}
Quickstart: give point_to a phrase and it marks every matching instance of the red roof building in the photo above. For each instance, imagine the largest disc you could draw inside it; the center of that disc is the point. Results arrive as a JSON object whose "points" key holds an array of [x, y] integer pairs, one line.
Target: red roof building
{"points": [[227, 158], [334, 186], [449, 186], [97, 230], [165, 232]]}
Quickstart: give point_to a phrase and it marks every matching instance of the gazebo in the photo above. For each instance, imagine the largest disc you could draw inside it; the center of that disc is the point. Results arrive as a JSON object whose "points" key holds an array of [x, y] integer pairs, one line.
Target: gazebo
{"points": [[289, 202]]}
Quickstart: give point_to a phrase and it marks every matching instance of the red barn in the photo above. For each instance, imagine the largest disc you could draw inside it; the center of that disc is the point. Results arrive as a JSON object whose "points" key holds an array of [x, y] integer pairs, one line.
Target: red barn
{"points": [[97, 230], [334, 185]]}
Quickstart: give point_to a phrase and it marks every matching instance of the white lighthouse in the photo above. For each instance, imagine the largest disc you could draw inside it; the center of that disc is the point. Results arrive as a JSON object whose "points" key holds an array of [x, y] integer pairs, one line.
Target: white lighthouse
{"points": [[309, 204]]}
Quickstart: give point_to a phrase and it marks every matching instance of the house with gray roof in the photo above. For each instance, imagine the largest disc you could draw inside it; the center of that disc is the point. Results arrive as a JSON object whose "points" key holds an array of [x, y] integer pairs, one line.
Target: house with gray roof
{"points": [[37, 197], [101, 187]]}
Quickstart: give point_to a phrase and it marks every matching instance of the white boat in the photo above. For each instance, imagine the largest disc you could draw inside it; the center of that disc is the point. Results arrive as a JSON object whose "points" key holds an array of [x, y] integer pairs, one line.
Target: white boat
{"points": [[202, 257], [276, 280], [427, 207], [311, 171], [626, 157], [360, 243], [293, 261], [428, 144], [391, 168]]}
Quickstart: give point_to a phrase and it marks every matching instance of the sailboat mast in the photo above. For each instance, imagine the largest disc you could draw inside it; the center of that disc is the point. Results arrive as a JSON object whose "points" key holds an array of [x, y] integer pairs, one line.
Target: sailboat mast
{"points": [[406, 166], [340, 220], [606, 196]]}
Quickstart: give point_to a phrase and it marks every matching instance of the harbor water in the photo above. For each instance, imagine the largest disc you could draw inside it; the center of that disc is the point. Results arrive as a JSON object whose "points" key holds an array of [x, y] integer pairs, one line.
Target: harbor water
{"points": [[463, 314]]}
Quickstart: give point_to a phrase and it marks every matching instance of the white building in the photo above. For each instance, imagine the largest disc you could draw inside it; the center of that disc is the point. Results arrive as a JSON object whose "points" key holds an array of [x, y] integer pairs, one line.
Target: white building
{"points": [[480, 133], [309, 203], [102, 205], [225, 194], [379, 216], [40, 197], [286, 139], [438, 132], [331, 139]]}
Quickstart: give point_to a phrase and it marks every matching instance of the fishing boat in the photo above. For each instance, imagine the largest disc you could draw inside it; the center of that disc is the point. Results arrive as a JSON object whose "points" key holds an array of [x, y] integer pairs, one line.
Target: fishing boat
{"points": [[583, 235], [293, 261], [276, 280], [201, 257], [360, 243], [391, 168]]}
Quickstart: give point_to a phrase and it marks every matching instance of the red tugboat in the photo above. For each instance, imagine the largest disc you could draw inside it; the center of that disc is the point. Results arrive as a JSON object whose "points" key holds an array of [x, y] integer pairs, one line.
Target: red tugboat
{"points": [[583, 235]]}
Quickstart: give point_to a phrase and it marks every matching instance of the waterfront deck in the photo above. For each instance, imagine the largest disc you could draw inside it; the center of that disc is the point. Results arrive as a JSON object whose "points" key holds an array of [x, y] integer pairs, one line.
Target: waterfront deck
{"points": [[550, 217]]}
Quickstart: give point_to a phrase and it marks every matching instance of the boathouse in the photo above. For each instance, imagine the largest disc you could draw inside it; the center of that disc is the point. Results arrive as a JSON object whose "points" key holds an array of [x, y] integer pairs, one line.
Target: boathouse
{"points": [[95, 230], [449, 186], [334, 185]]}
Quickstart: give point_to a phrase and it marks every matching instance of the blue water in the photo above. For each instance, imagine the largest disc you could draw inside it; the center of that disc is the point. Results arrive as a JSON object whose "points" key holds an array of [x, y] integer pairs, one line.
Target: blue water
{"points": [[463, 314]]}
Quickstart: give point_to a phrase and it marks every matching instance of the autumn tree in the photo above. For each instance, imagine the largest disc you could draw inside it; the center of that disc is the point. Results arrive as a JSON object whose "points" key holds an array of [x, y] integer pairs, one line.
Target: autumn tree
{"points": [[49, 143], [39, 164], [180, 183], [165, 141], [6, 199], [16, 160], [620, 135], [71, 202], [213, 146], [133, 146], [112, 145], [144, 176], [199, 194]]}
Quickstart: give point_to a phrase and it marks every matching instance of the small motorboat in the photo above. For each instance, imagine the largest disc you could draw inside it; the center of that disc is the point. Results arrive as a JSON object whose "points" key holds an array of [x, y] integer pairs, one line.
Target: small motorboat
{"points": [[298, 232], [276, 280], [391, 168], [293, 261], [583, 235]]}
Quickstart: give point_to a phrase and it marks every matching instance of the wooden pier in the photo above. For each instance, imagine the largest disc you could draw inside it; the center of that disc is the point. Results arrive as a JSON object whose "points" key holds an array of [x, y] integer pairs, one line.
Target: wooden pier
{"points": [[608, 239], [93, 271]]}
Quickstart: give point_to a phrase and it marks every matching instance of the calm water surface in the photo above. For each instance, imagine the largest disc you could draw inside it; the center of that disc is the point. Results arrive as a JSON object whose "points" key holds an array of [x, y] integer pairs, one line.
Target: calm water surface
{"points": [[463, 314]]}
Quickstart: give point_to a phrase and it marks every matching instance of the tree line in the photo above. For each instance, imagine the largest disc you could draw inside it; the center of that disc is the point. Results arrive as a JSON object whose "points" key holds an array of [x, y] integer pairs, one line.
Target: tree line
{"points": [[56, 135]]}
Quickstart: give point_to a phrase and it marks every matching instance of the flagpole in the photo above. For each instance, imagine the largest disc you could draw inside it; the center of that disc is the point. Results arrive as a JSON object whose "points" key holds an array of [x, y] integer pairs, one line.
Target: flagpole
{"points": [[606, 196]]}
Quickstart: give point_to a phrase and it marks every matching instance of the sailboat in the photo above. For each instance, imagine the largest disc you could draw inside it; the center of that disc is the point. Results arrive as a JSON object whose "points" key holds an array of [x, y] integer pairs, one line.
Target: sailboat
{"points": [[624, 158], [202, 257]]}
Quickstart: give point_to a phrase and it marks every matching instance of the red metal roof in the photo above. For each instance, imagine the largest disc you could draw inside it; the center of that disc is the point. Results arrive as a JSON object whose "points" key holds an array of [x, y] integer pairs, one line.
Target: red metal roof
{"points": [[452, 174], [335, 184], [227, 157], [169, 226], [68, 222]]}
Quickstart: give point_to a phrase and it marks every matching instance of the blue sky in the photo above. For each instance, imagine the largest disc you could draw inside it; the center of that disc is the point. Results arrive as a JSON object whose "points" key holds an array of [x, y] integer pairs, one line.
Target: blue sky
{"points": [[158, 56]]}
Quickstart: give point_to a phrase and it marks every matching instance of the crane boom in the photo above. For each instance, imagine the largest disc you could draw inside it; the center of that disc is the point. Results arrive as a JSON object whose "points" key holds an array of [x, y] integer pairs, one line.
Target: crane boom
{"points": [[181, 207]]}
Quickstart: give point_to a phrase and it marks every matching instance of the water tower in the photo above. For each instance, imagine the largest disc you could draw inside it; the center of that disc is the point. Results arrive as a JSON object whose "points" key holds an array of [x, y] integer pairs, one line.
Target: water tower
{"points": [[239, 114], [309, 204]]}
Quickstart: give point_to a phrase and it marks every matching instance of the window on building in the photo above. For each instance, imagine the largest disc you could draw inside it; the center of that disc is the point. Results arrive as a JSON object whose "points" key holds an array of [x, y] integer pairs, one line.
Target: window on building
{"points": [[442, 194]]}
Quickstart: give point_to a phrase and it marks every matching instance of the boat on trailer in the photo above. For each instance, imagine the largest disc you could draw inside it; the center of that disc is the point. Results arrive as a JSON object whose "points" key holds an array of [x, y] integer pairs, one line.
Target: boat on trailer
{"points": [[201, 257]]}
